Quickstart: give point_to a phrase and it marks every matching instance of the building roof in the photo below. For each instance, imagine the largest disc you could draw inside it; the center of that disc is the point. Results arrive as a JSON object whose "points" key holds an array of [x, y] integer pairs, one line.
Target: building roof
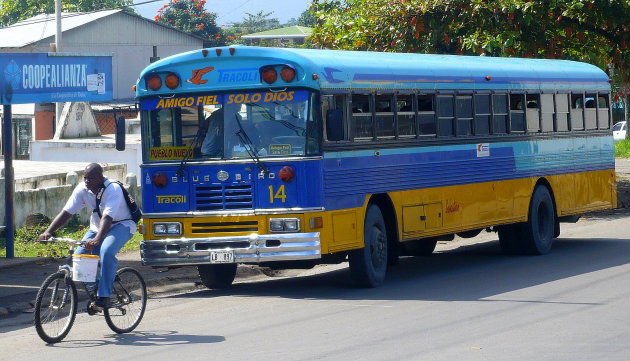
{"points": [[43, 26], [291, 32]]}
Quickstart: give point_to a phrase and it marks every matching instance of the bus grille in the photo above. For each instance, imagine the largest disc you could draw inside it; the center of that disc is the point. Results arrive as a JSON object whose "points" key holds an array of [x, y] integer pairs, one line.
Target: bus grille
{"points": [[223, 196], [242, 227]]}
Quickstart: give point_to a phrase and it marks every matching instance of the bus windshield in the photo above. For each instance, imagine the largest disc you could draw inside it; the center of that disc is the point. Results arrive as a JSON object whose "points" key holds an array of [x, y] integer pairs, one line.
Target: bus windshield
{"points": [[230, 126]]}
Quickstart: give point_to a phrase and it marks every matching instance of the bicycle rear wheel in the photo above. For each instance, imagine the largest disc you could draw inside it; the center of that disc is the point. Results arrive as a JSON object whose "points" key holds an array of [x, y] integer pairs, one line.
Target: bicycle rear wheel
{"points": [[130, 301], [55, 307]]}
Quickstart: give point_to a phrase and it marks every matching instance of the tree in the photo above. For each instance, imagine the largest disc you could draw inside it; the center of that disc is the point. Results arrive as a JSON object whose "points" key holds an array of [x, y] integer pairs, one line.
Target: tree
{"points": [[12, 11], [307, 18], [597, 32], [252, 23], [191, 16]]}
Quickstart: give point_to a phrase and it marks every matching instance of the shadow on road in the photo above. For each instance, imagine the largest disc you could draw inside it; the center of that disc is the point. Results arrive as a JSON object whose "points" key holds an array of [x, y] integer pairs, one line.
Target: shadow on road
{"points": [[467, 273], [142, 338]]}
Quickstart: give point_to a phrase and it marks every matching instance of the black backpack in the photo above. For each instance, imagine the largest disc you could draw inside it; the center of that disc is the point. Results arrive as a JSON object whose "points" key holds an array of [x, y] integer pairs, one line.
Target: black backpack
{"points": [[136, 213]]}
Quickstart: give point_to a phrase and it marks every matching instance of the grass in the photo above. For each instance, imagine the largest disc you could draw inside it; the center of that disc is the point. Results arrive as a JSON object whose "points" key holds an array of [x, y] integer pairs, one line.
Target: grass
{"points": [[26, 245], [622, 149]]}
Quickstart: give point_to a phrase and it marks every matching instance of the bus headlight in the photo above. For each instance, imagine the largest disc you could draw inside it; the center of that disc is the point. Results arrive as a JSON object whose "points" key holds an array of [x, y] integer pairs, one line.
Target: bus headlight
{"points": [[280, 225], [167, 229]]}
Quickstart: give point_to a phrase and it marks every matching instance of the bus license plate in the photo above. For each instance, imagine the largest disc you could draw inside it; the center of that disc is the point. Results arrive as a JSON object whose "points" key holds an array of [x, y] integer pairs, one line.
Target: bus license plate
{"points": [[221, 257]]}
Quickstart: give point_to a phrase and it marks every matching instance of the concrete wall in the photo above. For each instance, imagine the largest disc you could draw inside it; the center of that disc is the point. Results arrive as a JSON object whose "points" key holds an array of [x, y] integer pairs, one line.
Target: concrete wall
{"points": [[50, 200], [100, 150]]}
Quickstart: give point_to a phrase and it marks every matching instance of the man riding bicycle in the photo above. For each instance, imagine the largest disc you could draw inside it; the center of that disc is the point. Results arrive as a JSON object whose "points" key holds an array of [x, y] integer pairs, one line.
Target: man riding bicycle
{"points": [[111, 225]]}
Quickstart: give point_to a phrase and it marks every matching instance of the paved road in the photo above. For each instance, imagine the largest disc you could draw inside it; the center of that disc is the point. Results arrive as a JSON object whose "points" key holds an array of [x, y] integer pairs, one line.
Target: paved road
{"points": [[466, 302]]}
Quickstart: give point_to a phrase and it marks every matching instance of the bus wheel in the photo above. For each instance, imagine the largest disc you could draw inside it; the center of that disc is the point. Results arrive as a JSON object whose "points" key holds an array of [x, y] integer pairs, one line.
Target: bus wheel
{"points": [[540, 229], [419, 247], [368, 265], [217, 276]]}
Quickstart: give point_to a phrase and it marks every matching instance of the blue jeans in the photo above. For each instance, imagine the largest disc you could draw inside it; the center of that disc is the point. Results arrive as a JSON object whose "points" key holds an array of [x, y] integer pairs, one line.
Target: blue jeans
{"points": [[115, 239]]}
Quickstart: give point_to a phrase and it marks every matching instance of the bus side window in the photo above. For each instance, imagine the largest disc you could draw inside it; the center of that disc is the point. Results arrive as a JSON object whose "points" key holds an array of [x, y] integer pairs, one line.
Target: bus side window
{"points": [[562, 112], [362, 116], [446, 115], [464, 114], [546, 111], [384, 115], [603, 116], [482, 114], [499, 113], [517, 113], [333, 110], [426, 114], [533, 115], [590, 113], [577, 115], [406, 115]]}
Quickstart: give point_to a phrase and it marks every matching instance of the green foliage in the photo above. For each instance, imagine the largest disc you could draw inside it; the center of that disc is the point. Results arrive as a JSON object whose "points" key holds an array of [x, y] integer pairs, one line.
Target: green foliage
{"points": [[191, 16], [12, 11], [26, 245], [307, 18], [622, 149], [597, 32], [252, 23]]}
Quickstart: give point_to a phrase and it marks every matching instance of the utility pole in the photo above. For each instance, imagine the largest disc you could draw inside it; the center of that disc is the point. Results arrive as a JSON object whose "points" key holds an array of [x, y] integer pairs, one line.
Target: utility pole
{"points": [[58, 106]]}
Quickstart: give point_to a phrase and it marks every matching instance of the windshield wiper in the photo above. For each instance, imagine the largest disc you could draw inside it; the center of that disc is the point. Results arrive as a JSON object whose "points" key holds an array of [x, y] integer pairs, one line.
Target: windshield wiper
{"points": [[249, 145], [189, 153]]}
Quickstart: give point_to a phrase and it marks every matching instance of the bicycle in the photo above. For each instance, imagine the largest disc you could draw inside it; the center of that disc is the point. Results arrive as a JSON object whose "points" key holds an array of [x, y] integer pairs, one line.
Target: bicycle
{"points": [[57, 299]]}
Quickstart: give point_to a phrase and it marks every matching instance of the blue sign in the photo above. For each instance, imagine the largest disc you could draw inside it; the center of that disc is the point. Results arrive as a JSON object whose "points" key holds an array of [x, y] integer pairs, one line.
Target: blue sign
{"points": [[53, 77]]}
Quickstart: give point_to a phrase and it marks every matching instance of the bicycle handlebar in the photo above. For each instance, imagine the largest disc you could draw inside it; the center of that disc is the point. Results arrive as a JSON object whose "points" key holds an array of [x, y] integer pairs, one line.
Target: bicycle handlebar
{"points": [[63, 239]]}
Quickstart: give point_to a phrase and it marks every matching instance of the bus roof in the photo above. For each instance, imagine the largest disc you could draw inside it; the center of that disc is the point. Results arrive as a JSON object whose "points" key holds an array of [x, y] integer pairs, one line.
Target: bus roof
{"points": [[360, 70]]}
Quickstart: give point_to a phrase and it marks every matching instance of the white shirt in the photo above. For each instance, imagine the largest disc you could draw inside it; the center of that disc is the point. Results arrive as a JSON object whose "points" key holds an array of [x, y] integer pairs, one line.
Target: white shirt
{"points": [[113, 204]]}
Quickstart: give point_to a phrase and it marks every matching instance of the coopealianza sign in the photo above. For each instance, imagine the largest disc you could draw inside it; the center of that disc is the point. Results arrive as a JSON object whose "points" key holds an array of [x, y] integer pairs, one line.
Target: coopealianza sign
{"points": [[55, 77]]}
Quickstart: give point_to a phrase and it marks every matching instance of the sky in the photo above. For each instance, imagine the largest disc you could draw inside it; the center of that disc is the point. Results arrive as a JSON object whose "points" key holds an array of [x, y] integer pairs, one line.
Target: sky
{"points": [[234, 10]]}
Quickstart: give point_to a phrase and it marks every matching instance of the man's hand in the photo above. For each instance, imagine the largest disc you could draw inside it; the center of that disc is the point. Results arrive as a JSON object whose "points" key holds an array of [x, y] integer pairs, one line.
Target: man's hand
{"points": [[45, 236], [90, 244]]}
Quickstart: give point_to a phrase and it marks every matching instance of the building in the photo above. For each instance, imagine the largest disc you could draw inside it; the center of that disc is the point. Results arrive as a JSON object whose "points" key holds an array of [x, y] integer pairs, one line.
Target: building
{"points": [[278, 37], [132, 39]]}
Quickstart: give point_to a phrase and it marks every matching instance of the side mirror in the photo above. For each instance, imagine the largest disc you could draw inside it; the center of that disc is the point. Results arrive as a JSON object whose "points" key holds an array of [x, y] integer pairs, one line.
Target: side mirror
{"points": [[334, 125], [120, 133]]}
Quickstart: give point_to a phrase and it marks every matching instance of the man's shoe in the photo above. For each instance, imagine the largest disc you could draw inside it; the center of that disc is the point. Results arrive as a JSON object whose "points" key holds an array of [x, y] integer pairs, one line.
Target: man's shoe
{"points": [[103, 302]]}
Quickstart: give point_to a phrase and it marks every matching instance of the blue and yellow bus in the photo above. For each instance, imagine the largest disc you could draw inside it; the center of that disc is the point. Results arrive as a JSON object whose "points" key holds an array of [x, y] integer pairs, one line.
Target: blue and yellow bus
{"points": [[297, 157]]}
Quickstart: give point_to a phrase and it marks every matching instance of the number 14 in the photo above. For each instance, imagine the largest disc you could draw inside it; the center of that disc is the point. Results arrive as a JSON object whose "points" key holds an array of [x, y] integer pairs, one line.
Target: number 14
{"points": [[279, 194]]}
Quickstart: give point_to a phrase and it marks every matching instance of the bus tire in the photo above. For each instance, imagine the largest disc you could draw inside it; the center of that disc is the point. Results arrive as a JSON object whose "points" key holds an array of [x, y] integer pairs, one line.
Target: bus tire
{"points": [[217, 276], [538, 232], [419, 247], [368, 265]]}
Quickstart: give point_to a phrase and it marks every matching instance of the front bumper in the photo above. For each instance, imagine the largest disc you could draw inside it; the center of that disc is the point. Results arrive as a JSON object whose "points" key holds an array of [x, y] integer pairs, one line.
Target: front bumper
{"points": [[254, 248]]}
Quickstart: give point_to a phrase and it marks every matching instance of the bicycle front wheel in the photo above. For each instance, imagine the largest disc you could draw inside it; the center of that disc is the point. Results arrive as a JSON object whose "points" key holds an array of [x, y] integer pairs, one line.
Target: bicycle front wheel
{"points": [[55, 307], [130, 301]]}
